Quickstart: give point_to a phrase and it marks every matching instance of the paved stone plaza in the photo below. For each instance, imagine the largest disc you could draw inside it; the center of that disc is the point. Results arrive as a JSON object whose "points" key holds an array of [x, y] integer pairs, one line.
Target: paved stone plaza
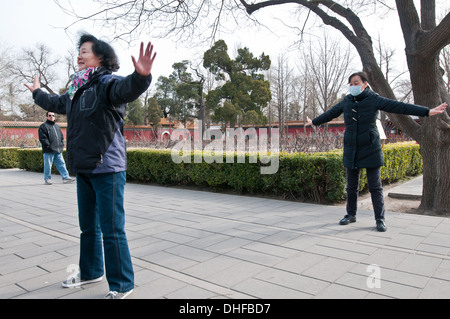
{"points": [[198, 245]]}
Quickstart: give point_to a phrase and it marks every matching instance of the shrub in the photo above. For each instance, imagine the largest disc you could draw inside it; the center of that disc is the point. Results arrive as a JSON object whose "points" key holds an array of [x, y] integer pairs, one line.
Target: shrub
{"points": [[8, 157], [33, 160], [314, 177]]}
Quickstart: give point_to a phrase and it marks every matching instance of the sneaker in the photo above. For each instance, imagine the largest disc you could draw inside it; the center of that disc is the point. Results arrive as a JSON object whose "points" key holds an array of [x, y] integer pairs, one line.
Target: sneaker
{"points": [[76, 281], [68, 180], [381, 225], [117, 295], [48, 181]]}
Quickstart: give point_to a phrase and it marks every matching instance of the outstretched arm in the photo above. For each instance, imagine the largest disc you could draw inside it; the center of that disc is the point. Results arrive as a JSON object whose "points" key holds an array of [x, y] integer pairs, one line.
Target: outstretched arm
{"points": [[128, 89], [393, 106], [332, 113], [144, 65], [53, 103]]}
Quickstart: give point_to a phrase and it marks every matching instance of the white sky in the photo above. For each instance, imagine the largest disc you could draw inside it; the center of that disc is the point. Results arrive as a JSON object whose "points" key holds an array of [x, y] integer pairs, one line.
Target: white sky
{"points": [[24, 23]]}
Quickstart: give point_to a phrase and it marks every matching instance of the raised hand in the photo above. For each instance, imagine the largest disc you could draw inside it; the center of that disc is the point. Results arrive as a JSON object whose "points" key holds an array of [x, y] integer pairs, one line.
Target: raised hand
{"points": [[36, 85], [439, 109], [144, 64]]}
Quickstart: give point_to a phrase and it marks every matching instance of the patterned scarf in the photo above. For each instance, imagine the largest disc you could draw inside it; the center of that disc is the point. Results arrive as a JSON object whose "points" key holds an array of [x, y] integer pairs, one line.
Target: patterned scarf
{"points": [[79, 79]]}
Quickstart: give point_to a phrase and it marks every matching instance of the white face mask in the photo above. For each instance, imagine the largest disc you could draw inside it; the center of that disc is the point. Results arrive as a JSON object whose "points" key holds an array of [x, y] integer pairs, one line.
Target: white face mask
{"points": [[356, 90]]}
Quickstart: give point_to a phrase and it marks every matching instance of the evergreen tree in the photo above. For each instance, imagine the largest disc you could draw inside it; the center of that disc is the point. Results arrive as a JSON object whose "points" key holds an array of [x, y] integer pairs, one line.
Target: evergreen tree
{"points": [[245, 88]]}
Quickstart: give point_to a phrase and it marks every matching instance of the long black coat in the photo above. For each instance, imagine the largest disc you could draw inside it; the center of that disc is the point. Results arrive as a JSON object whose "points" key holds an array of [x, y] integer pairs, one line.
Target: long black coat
{"points": [[362, 144]]}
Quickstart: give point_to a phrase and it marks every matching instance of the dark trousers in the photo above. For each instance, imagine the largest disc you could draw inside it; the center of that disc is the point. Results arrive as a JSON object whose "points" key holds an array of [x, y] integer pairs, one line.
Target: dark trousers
{"points": [[375, 188]]}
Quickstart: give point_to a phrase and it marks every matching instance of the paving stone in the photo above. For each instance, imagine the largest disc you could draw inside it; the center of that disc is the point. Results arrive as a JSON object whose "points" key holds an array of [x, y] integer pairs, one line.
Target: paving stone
{"points": [[187, 243]]}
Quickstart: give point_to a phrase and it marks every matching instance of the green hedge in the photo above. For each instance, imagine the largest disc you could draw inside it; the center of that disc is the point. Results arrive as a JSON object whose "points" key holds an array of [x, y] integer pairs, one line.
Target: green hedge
{"points": [[29, 159], [8, 157], [315, 177]]}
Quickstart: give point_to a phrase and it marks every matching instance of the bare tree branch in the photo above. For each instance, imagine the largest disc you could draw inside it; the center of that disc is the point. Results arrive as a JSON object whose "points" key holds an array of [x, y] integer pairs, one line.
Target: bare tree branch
{"points": [[180, 19], [37, 61], [436, 39]]}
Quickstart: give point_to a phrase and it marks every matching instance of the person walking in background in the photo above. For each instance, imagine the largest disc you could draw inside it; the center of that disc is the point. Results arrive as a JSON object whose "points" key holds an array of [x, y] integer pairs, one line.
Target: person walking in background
{"points": [[362, 143], [52, 141], [96, 150]]}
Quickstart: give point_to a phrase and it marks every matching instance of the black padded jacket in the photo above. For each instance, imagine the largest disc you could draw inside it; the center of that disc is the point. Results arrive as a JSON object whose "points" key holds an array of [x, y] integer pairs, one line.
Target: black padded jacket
{"points": [[95, 120], [362, 143], [51, 137]]}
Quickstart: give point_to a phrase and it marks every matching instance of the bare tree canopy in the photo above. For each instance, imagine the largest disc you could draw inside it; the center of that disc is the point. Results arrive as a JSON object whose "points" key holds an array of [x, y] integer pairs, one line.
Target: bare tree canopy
{"points": [[178, 19], [37, 61]]}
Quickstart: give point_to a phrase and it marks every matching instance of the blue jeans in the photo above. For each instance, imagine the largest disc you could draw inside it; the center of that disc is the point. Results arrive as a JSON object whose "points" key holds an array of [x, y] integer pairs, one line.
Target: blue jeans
{"points": [[375, 188], [102, 222], [58, 159]]}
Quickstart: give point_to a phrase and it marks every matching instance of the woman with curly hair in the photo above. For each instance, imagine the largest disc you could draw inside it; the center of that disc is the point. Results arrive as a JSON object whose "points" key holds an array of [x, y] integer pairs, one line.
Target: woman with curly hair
{"points": [[95, 106]]}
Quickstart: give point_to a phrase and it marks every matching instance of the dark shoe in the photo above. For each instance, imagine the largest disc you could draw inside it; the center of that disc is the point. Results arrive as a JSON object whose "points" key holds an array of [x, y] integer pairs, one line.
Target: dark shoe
{"points": [[381, 225], [347, 220]]}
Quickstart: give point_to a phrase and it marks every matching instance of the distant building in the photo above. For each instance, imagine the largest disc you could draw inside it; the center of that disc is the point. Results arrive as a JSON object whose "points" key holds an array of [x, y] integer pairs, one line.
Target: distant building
{"points": [[29, 130]]}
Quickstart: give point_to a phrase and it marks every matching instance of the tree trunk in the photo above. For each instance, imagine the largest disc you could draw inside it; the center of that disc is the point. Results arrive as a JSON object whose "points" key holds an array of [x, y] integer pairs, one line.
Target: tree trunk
{"points": [[434, 142], [422, 53]]}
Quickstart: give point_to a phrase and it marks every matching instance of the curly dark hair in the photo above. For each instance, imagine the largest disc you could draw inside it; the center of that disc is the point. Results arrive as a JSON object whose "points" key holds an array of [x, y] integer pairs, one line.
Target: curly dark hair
{"points": [[102, 50]]}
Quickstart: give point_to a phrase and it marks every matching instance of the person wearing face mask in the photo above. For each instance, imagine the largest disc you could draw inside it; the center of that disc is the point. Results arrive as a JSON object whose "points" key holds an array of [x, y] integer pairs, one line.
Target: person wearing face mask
{"points": [[362, 144], [95, 106]]}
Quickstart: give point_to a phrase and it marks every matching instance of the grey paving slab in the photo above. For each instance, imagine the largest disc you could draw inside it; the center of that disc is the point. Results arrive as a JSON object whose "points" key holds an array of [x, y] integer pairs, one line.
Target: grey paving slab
{"points": [[191, 244], [409, 190]]}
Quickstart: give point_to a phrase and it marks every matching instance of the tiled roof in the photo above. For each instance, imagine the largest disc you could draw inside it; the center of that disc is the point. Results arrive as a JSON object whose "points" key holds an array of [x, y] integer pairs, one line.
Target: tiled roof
{"points": [[25, 124], [164, 122]]}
